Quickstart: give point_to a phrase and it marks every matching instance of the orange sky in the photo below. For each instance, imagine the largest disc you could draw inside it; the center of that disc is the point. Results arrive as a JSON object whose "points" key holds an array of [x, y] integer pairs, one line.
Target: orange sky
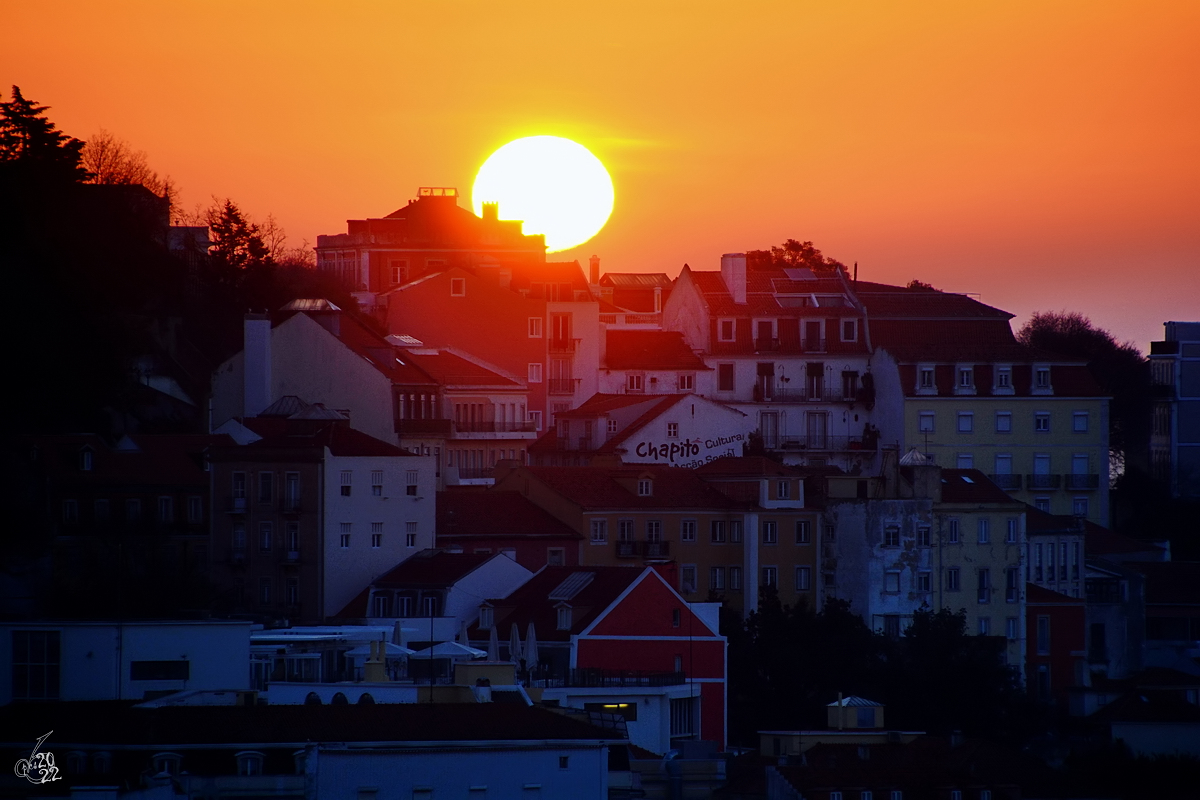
{"points": [[1044, 155]]}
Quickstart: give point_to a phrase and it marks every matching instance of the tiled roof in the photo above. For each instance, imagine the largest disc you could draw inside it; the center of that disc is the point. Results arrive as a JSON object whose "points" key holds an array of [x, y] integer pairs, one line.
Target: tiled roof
{"points": [[292, 434], [476, 513], [746, 467], [120, 724], [600, 404], [431, 569], [550, 272], [761, 288], [532, 603], [636, 280], [449, 369], [650, 350], [1040, 595], [897, 302], [154, 459], [1101, 541], [971, 486], [594, 488]]}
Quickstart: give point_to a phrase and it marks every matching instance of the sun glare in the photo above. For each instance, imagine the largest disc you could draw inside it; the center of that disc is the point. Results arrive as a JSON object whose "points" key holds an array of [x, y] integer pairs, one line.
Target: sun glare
{"points": [[554, 185]]}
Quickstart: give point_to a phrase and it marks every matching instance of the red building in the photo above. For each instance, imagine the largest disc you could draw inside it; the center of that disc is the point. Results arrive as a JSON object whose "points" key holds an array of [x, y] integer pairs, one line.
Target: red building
{"points": [[1056, 652], [484, 521]]}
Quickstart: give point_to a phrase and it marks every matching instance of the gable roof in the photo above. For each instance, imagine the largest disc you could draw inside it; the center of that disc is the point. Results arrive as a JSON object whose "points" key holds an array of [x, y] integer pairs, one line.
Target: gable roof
{"points": [[315, 434], [636, 349], [478, 513], [449, 368], [972, 486]]}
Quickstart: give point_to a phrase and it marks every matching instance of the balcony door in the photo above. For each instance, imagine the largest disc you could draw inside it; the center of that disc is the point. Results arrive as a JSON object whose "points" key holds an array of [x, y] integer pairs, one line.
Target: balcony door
{"points": [[768, 422], [817, 429]]}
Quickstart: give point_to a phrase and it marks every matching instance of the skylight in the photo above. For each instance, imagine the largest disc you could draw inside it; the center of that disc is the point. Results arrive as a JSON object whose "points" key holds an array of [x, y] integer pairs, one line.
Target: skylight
{"points": [[572, 586]]}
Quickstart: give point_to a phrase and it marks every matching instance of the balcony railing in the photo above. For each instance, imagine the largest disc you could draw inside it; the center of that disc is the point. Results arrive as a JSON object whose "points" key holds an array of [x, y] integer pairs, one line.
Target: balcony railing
{"points": [[643, 549], [563, 345], [800, 395], [1049, 481], [563, 385], [1006, 481], [599, 678], [469, 473], [480, 426], [814, 345], [576, 443], [824, 443], [1078, 482]]}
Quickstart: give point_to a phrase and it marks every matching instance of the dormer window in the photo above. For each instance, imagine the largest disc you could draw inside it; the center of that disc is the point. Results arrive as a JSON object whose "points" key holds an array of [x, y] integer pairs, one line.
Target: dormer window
{"points": [[166, 762], [926, 382], [672, 430], [966, 378], [645, 487], [1003, 382], [486, 617], [726, 330], [458, 287], [249, 763], [1041, 379], [849, 330], [564, 617]]}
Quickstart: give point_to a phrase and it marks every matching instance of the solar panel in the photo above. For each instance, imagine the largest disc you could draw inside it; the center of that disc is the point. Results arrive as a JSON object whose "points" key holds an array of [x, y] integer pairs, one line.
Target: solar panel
{"points": [[572, 586]]}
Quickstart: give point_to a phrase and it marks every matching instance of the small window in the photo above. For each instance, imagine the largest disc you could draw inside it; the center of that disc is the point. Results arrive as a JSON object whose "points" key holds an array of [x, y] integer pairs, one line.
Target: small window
{"points": [[966, 377], [672, 430], [535, 327], [458, 287], [1010, 533], [725, 378], [599, 531], [1003, 380], [133, 510], [195, 509], [770, 576], [1079, 422], [803, 579], [249, 763], [347, 481], [376, 534], [923, 536], [687, 382], [891, 536], [70, 511], [612, 426], [535, 373], [410, 534], [716, 579], [803, 531], [849, 330], [1079, 506], [411, 481], [924, 582], [984, 577], [645, 487], [556, 557], [345, 534], [1041, 377], [377, 483], [891, 581], [735, 531], [687, 530], [925, 422], [952, 530], [486, 615], [564, 762], [726, 330], [716, 530], [564, 617], [266, 487], [635, 383], [1041, 422], [925, 380], [735, 579], [985, 626], [953, 581], [770, 532], [1010, 629], [1003, 422], [535, 417], [266, 534], [966, 422], [782, 490], [985, 530], [687, 579]]}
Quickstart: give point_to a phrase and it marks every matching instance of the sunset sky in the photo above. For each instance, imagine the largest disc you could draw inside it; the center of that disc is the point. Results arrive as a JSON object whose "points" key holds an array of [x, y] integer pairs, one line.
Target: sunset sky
{"points": [[1045, 155]]}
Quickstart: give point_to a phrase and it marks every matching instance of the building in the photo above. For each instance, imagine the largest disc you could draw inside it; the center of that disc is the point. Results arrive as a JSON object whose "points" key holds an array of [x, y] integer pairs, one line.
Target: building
{"points": [[976, 398], [308, 511], [651, 362], [1057, 657], [1175, 432], [621, 641], [485, 521], [792, 351]]}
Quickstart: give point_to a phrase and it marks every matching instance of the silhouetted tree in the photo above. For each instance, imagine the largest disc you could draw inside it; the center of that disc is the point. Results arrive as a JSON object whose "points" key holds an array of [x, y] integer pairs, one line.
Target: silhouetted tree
{"points": [[1121, 370], [793, 253], [31, 146], [920, 285], [111, 161]]}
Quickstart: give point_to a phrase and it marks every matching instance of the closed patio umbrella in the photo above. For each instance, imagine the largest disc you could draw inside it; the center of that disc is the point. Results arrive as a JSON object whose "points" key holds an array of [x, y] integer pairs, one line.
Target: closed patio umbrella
{"points": [[531, 648], [493, 645], [514, 645]]}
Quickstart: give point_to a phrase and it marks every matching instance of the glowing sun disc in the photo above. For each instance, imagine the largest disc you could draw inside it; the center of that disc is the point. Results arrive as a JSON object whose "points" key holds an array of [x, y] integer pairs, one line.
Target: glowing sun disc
{"points": [[556, 186]]}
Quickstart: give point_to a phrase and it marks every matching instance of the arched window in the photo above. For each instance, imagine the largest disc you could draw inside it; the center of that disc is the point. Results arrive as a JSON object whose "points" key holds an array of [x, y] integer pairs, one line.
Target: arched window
{"points": [[249, 762], [313, 699], [339, 699], [365, 699], [166, 762]]}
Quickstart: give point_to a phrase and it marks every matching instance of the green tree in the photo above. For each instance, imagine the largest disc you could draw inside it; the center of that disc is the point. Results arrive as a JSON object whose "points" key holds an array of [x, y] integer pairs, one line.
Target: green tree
{"points": [[793, 253], [31, 146]]}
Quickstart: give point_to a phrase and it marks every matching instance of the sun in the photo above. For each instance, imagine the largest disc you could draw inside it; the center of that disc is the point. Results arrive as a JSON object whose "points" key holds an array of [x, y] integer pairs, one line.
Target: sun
{"points": [[554, 185]]}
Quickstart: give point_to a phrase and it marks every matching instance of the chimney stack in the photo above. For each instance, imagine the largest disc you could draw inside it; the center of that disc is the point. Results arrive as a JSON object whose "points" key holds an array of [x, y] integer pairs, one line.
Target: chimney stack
{"points": [[491, 212], [256, 364], [594, 271], [733, 272]]}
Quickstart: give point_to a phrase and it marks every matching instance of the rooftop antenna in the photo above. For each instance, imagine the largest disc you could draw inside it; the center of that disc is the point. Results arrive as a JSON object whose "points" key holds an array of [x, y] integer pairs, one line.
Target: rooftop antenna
{"points": [[856, 273]]}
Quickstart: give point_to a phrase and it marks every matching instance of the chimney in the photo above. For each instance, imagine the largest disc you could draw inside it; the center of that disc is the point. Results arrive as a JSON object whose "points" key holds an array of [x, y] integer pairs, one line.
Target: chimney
{"points": [[256, 364], [491, 212], [733, 272], [594, 270]]}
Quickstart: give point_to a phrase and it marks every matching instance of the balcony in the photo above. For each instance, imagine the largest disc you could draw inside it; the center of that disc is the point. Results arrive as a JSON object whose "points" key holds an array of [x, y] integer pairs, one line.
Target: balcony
{"points": [[1008, 482], [776, 394], [563, 346], [563, 385], [236, 505], [476, 473], [823, 443], [578, 443], [643, 549], [1082, 482], [480, 426], [600, 678], [1049, 481], [814, 345]]}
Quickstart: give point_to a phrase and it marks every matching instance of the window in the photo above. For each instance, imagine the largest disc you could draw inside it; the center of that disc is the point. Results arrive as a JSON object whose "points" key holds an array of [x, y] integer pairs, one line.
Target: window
{"points": [[1079, 422], [101, 510], [924, 582], [70, 511], [654, 530], [239, 486], [1010, 629], [923, 536], [166, 509], [1003, 379], [556, 556], [985, 626], [735, 579], [985, 585], [1042, 504], [1003, 422], [687, 530], [966, 422], [1041, 378], [952, 530], [249, 763], [891, 536], [735, 531], [682, 715], [377, 483], [687, 579], [599, 531], [803, 531], [265, 535], [645, 487], [724, 377], [564, 762], [803, 579], [1075, 561], [534, 373], [952, 580], [726, 330], [535, 327], [376, 534], [985, 530], [564, 617], [293, 538], [770, 532], [239, 536], [925, 422], [830, 533], [1010, 533], [536, 418], [965, 461], [266, 486], [133, 510], [410, 534], [966, 379], [925, 381], [849, 330], [612, 426], [264, 591], [783, 489], [1079, 506], [345, 534], [1012, 586], [687, 382], [716, 530], [411, 481], [1043, 635], [195, 509], [672, 430], [36, 664], [166, 762], [770, 576], [716, 579], [635, 383], [486, 617], [347, 479], [1041, 422], [891, 581], [458, 287]]}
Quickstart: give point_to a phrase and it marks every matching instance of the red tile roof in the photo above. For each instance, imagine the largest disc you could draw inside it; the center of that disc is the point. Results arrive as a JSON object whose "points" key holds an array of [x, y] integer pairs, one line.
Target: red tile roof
{"points": [[595, 488], [651, 350], [636, 280], [532, 603], [884, 301], [1040, 595], [480, 513], [746, 466], [971, 486], [450, 369], [761, 289], [294, 434], [599, 405], [432, 569]]}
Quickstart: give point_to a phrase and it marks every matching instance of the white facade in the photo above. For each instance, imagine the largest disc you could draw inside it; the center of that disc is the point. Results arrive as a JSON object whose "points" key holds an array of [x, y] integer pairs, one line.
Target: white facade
{"points": [[401, 515], [122, 661], [652, 728]]}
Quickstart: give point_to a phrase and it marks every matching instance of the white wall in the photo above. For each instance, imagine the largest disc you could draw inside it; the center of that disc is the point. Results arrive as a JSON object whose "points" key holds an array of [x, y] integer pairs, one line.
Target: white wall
{"points": [[652, 728], [347, 571], [499, 576], [707, 431]]}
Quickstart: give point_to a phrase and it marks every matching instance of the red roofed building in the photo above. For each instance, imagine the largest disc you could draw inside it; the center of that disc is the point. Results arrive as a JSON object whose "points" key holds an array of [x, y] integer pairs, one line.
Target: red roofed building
{"points": [[1056, 657], [483, 520], [620, 640]]}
